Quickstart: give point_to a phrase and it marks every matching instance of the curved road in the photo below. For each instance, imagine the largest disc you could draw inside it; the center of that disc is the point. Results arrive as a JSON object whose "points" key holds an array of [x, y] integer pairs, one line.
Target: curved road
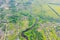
{"points": [[25, 36]]}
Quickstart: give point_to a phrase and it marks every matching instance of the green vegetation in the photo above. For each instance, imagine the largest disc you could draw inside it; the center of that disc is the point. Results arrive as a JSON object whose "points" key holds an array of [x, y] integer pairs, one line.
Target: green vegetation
{"points": [[35, 21]]}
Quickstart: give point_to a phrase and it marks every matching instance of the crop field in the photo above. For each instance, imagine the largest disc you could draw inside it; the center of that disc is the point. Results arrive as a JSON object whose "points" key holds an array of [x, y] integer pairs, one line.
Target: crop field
{"points": [[29, 19]]}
